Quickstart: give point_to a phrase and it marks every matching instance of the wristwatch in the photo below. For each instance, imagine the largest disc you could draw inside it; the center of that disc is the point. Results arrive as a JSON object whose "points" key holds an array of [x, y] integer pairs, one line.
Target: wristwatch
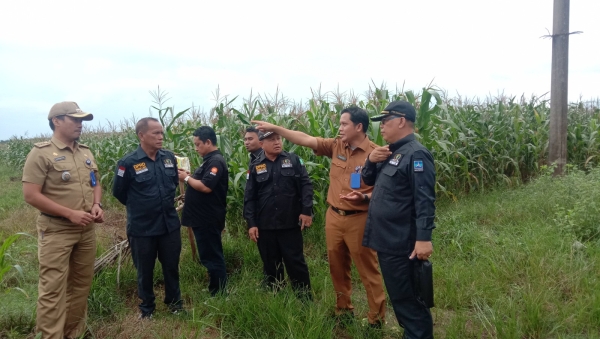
{"points": [[99, 204], [186, 179]]}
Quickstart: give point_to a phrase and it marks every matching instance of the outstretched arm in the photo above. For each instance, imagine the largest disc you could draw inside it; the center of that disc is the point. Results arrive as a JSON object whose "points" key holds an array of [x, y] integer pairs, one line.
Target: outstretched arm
{"points": [[295, 137]]}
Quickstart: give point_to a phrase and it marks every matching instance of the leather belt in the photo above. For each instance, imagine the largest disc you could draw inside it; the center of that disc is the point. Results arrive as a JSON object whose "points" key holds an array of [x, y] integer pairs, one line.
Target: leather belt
{"points": [[344, 213], [53, 216]]}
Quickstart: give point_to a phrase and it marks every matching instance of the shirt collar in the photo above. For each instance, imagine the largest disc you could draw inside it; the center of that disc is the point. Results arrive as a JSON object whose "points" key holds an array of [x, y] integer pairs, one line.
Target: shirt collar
{"points": [[210, 154], [62, 145], [257, 153], [364, 145], [139, 153], [404, 140]]}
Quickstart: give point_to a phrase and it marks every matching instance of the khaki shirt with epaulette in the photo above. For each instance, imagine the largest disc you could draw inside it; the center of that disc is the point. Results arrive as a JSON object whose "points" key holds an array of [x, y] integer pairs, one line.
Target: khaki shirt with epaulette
{"points": [[64, 174]]}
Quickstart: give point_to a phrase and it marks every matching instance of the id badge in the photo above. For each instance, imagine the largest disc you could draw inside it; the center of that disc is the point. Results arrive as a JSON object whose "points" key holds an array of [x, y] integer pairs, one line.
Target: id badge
{"points": [[355, 180], [92, 178]]}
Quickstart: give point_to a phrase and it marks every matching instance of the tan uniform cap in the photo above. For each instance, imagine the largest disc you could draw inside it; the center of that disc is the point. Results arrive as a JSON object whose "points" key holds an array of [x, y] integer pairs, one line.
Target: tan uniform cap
{"points": [[69, 108]]}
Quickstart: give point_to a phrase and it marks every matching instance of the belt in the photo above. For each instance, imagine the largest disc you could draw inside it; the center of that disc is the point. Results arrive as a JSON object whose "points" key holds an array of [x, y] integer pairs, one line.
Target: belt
{"points": [[53, 216], [344, 213]]}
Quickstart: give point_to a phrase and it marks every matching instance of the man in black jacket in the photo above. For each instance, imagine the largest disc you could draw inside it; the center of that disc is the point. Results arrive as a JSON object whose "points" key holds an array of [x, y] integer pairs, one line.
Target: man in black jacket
{"points": [[401, 213], [278, 206], [206, 205], [145, 182]]}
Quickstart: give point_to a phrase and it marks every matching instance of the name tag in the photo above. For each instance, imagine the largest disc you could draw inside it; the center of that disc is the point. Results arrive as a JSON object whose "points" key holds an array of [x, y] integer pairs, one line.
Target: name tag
{"points": [[341, 157], [168, 163], [140, 168], [261, 168], [286, 163]]}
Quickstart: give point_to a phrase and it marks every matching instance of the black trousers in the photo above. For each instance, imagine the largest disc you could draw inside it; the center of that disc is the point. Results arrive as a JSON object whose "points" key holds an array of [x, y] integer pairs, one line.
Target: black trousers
{"points": [[144, 251], [210, 249], [284, 247], [412, 314]]}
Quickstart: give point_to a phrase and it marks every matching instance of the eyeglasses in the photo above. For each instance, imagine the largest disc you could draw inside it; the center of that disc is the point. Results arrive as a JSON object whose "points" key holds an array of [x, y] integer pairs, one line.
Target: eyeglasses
{"points": [[389, 117]]}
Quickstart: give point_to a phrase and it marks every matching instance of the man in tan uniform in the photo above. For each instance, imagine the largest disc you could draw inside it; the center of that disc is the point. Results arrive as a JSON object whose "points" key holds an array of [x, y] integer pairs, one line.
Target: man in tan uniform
{"points": [[60, 179], [345, 219]]}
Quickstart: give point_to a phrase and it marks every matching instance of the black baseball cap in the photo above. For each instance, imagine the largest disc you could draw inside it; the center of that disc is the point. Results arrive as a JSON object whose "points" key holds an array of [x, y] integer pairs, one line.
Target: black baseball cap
{"points": [[262, 135], [399, 108]]}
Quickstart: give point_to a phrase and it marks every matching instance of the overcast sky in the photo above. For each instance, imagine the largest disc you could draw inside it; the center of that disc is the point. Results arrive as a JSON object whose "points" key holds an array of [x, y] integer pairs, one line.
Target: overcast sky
{"points": [[107, 55]]}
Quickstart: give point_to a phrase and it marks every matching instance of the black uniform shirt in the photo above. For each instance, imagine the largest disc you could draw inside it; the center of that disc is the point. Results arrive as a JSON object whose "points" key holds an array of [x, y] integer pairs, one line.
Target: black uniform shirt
{"points": [[147, 188], [208, 209], [277, 193], [255, 155], [402, 208]]}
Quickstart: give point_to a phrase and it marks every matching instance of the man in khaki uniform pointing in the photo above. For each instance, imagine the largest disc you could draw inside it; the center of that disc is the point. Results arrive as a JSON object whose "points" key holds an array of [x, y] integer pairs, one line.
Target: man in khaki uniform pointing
{"points": [[60, 179]]}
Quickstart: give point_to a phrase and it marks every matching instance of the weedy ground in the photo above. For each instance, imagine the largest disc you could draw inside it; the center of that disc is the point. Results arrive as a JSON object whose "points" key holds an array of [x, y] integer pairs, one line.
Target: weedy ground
{"points": [[510, 263]]}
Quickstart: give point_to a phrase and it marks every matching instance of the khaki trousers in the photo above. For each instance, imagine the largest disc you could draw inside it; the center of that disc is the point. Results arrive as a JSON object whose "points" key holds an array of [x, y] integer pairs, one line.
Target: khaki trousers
{"points": [[66, 253], [344, 235]]}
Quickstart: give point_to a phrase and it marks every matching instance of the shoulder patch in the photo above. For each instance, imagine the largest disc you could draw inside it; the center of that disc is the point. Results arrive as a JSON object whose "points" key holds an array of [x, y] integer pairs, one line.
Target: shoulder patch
{"points": [[42, 144], [418, 165]]}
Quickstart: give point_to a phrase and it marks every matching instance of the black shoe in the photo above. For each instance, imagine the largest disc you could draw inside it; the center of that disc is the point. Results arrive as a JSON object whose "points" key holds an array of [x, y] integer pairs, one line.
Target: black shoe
{"points": [[145, 316]]}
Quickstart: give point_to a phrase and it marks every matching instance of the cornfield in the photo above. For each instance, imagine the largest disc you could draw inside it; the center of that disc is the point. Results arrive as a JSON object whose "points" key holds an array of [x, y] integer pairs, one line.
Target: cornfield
{"points": [[476, 144]]}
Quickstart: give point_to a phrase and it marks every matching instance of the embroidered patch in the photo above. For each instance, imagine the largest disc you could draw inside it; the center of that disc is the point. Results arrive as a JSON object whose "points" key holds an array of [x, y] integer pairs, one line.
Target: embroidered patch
{"points": [[396, 160], [418, 165], [140, 168], [60, 158], [168, 163], [121, 171], [213, 171], [301, 161], [341, 157], [286, 163], [261, 168]]}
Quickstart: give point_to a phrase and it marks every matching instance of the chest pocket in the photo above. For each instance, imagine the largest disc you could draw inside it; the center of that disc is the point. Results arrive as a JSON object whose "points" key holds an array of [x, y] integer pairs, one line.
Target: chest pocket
{"points": [[262, 177], [145, 184], [63, 170], [170, 172], [287, 172], [390, 170], [338, 168]]}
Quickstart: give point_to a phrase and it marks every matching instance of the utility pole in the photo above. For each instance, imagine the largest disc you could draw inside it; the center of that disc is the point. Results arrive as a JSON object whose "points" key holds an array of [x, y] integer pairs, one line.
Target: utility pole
{"points": [[559, 87]]}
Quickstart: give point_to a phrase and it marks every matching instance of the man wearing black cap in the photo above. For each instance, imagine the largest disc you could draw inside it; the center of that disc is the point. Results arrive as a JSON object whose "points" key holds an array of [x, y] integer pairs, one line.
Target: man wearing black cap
{"points": [[278, 206], [401, 213]]}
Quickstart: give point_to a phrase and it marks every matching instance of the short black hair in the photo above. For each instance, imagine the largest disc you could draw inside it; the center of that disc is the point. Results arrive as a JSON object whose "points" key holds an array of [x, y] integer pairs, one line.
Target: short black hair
{"points": [[59, 117], [142, 125], [206, 133], [358, 116], [252, 129]]}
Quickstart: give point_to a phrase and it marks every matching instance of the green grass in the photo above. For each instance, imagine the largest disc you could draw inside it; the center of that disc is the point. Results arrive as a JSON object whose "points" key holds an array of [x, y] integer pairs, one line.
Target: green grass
{"points": [[505, 266]]}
